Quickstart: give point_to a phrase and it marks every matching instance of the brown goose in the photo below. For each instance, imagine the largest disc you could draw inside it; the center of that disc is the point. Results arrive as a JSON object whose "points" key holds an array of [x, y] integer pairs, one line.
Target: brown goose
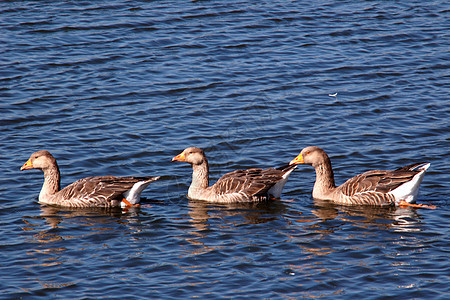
{"points": [[101, 191], [376, 187], [238, 186]]}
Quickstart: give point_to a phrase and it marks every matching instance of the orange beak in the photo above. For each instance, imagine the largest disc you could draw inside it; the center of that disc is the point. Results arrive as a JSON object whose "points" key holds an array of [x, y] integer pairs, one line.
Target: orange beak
{"points": [[28, 165], [298, 160], [179, 157]]}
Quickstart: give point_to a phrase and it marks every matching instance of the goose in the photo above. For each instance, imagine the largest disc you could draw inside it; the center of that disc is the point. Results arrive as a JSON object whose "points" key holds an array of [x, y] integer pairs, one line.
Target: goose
{"points": [[250, 185], [100, 191], [377, 187]]}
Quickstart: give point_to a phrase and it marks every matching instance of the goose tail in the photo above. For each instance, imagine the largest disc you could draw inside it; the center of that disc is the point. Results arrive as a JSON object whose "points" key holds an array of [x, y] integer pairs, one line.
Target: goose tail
{"points": [[409, 190], [277, 189], [133, 195]]}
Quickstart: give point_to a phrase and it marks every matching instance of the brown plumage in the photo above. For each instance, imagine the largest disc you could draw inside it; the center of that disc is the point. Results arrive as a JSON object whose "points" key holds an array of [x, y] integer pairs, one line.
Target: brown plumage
{"points": [[237, 186], [376, 187], [100, 191]]}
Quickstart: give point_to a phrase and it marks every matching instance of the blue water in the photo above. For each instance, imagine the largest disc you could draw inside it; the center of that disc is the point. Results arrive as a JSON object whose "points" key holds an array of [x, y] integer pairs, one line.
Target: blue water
{"points": [[120, 87]]}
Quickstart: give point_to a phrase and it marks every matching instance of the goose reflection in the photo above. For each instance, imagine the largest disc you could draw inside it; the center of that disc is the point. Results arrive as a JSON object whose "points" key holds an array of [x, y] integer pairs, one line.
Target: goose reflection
{"points": [[91, 221], [205, 217], [55, 239], [397, 218], [54, 215], [233, 214]]}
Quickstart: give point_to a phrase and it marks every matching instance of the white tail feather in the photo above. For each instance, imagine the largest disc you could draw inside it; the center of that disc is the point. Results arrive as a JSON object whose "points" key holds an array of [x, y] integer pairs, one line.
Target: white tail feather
{"points": [[133, 195], [409, 190], [276, 190]]}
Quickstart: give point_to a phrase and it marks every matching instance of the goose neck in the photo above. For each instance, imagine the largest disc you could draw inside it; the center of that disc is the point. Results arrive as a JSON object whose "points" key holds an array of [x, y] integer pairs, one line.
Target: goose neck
{"points": [[51, 184], [324, 179], [200, 176]]}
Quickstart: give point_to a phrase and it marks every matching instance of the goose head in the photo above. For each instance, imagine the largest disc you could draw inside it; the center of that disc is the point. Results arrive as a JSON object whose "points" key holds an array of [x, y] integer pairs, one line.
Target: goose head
{"points": [[192, 155], [41, 160], [311, 155]]}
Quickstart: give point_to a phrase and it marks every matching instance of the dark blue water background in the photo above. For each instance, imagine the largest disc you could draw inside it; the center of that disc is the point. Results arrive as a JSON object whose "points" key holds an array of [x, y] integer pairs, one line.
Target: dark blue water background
{"points": [[120, 87]]}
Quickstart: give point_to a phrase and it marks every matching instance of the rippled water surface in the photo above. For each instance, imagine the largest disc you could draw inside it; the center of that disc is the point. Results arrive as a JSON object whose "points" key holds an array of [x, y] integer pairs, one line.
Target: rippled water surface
{"points": [[120, 87]]}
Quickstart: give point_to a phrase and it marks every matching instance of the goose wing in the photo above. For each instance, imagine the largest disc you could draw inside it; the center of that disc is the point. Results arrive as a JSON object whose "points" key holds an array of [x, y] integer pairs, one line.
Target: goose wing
{"points": [[379, 180], [100, 190], [249, 183]]}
